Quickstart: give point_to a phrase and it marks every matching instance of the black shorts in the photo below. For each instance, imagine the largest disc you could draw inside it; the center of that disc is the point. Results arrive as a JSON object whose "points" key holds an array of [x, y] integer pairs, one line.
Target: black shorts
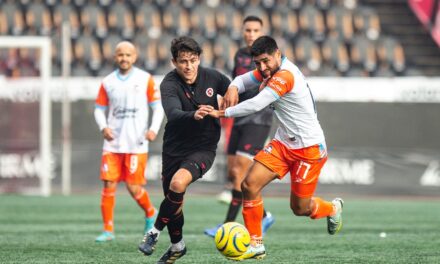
{"points": [[197, 163], [248, 139]]}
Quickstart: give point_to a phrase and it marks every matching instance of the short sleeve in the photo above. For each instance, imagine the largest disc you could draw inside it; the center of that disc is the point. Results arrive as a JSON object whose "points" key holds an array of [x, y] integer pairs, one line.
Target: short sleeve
{"points": [[153, 92], [102, 98], [281, 82]]}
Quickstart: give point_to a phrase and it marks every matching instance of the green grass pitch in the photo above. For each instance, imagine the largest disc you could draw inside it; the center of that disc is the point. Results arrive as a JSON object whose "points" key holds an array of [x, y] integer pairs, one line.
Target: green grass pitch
{"points": [[62, 230]]}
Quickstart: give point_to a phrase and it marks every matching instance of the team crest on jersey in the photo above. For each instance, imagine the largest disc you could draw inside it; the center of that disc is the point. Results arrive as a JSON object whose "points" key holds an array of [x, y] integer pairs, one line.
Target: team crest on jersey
{"points": [[209, 92]]}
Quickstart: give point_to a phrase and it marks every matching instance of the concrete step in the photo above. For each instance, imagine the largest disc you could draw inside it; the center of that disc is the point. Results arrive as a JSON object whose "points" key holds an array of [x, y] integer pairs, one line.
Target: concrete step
{"points": [[406, 29], [426, 61], [423, 50]]}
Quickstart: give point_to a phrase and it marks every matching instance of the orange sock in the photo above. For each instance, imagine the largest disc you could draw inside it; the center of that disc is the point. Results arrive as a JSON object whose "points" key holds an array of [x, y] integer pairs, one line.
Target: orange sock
{"points": [[253, 215], [144, 202], [107, 204], [321, 208]]}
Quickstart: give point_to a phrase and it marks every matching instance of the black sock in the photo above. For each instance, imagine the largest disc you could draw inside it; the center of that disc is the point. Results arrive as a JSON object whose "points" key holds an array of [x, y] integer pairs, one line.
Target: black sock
{"points": [[234, 206], [264, 213], [170, 209], [175, 228]]}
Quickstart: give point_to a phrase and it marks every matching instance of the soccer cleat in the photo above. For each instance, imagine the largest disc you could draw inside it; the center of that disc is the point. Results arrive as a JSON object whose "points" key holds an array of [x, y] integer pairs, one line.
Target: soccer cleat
{"points": [[253, 252], [148, 244], [149, 221], [212, 231], [225, 197], [171, 256], [105, 236], [334, 222], [267, 222]]}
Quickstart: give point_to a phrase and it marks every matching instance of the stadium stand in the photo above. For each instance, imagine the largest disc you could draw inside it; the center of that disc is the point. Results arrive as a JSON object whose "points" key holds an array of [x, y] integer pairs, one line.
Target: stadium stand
{"points": [[324, 37]]}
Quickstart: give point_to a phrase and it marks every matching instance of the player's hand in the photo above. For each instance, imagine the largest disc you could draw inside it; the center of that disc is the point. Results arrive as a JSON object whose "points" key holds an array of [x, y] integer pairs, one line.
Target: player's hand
{"points": [[202, 111], [150, 135], [230, 98], [107, 133], [217, 113]]}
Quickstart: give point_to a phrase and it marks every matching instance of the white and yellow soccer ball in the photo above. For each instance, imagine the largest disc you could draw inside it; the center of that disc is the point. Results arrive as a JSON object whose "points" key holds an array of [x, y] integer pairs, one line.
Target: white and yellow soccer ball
{"points": [[232, 239]]}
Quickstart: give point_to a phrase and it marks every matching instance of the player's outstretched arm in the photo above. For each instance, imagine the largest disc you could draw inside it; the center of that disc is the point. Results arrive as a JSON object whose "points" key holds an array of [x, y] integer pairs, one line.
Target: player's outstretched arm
{"points": [[230, 98], [217, 113], [252, 105]]}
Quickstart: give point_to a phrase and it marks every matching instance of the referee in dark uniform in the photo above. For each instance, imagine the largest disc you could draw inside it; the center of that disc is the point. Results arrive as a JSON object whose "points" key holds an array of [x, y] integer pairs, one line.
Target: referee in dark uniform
{"points": [[249, 133], [189, 93]]}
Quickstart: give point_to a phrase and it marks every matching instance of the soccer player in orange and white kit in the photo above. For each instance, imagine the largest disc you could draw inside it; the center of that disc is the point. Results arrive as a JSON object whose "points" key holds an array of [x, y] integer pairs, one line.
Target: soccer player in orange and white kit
{"points": [[127, 94], [298, 146]]}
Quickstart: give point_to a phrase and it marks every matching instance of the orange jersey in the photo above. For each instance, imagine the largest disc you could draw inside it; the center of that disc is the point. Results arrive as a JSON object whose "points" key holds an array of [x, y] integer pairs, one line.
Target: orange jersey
{"points": [[127, 99]]}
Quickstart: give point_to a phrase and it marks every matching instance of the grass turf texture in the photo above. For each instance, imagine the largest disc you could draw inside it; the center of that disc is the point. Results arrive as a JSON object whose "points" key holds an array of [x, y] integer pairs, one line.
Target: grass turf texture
{"points": [[62, 230]]}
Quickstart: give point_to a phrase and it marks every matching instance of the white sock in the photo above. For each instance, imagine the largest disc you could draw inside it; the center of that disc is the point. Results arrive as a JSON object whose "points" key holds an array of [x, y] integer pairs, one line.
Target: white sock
{"points": [[179, 246], [154, 230]]}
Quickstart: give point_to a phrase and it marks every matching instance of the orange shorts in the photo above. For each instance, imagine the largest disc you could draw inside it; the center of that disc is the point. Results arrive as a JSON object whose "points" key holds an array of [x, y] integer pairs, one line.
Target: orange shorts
{"points": [[118, 167], [303, 164]]}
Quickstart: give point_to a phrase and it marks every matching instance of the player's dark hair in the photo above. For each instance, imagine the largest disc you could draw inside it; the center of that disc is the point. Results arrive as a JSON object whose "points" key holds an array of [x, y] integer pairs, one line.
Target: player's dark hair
{"points": [[184, 44], [253, 19], [263, 44]]}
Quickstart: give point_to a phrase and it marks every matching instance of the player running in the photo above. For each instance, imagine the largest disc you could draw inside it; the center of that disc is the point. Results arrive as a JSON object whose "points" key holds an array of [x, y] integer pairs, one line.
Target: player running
{"points": [[298, 146], [249, 133], [189, 93]]}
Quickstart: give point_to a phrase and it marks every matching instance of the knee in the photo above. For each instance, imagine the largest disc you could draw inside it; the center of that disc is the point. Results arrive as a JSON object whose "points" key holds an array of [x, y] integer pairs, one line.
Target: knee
{"points": [[300, 211], [233, 172], [177, 185], [248, 187]]}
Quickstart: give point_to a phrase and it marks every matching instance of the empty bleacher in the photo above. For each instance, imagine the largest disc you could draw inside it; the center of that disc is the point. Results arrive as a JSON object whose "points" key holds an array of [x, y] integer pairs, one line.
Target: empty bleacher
{"points": [[323, 37]]}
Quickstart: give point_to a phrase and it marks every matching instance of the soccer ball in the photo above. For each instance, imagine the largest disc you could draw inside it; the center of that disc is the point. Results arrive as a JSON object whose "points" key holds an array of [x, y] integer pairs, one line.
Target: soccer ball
{"points": [[232, 239]]}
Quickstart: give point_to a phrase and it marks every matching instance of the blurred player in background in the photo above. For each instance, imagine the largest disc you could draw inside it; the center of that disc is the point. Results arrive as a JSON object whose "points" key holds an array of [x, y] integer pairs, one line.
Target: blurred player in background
{"points": [[249, 133], [189, 93], [126, 93], [298, 146]]}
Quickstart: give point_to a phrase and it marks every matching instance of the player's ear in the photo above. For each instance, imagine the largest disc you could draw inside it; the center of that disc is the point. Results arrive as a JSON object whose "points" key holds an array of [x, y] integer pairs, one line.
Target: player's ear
{"points": [[278, 53], [135, 57], [174, 62]]}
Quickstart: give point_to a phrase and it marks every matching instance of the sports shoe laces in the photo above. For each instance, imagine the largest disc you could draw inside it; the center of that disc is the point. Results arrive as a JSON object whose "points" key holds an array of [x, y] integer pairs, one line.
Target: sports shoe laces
{"points": [[149, 238]]}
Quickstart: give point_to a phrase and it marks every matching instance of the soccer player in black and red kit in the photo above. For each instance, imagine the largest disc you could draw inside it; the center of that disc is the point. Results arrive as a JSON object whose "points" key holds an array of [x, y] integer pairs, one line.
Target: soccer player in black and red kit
{"points": [[188, 94]]}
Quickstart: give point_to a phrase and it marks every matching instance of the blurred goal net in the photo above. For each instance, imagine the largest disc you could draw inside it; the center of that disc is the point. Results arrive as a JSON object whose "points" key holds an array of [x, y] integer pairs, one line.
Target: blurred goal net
{"points": [[25, 115]]}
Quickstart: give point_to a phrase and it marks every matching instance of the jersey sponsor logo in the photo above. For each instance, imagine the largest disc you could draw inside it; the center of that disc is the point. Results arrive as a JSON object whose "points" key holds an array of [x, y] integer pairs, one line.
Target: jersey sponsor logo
{"points": [[123, 112], [279, 80], [209, 92]]}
